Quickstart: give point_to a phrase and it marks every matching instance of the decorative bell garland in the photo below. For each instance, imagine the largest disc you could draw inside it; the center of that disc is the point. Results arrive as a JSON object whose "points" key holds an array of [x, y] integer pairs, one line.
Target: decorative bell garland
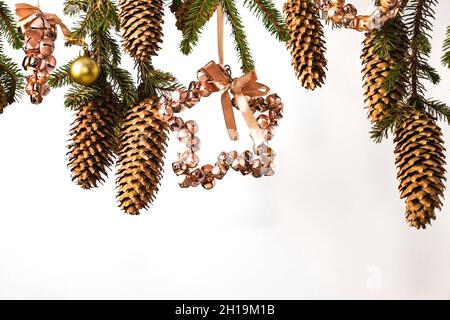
{"points": [[248, 99], [39, 30], [346, 14]]}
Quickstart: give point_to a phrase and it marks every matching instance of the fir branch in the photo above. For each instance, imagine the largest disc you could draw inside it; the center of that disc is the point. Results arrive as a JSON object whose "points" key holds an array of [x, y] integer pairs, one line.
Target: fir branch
{"points": [[155, 83], [8, 27], [61, 76], [271, 17], [100, 22], [197, 16], [425, 71], [438, 109], [11, 78], [122, 83], [240, 38], [394, 77], [78, 95], [383, 127], [446, 48], [418, 16], [73, 7]]}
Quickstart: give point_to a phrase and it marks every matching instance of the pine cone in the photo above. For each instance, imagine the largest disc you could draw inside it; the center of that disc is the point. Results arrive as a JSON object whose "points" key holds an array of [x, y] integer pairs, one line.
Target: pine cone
{"points": [[306, 44], [92, 139], [180, 13], [141, 157], [420, 162], [3, 99], [375, 70], [141, 22]]}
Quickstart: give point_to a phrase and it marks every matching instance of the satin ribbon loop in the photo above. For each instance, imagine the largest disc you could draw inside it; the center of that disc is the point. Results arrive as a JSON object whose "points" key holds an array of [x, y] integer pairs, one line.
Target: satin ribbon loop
{"points": [[27, 13], [215, 78]]}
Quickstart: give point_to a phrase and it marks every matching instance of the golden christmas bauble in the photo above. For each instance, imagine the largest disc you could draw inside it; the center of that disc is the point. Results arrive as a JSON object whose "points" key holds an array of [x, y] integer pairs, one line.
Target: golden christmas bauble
{"points": [[85, 71]]}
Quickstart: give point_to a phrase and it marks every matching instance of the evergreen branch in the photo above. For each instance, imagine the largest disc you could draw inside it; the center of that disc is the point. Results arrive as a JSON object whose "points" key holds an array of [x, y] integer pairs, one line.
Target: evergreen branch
{"points": [[156, 83], [240, 39], [419, 14], [393, 78], [8, 27], [61, 76], [11, 79], [197, 16], [438, 110], [73, 7], [446, 48], [383, 127], [271, 17], [122, 82], [427, 72], [78, 95]]}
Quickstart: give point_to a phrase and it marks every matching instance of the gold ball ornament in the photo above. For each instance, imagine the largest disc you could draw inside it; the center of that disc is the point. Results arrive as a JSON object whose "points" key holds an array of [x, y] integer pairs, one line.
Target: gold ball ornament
{"points": [[85, 71]]}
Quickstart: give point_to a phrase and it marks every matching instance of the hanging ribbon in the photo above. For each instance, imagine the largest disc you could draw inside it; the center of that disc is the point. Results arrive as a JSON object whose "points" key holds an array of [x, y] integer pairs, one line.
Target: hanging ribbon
{"points": [[215, 78], [27, 13]]}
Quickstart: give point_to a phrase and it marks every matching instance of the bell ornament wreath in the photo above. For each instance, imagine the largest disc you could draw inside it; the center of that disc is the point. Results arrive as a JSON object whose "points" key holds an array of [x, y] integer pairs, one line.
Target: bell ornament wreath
{"points": [[125, 123]]}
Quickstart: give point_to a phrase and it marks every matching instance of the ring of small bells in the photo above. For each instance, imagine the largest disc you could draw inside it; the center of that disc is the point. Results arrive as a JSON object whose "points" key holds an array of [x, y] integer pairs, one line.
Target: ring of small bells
{"points": [[39, 61], [347, 15], [258, 163]]}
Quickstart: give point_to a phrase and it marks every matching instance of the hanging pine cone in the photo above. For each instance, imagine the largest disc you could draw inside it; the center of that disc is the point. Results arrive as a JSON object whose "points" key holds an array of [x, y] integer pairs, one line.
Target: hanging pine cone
{"points": [[180, 11], [92, 139], [141, 22], [141, 157], [3, 99], [376, 69], [306, 44], [420, 162]]}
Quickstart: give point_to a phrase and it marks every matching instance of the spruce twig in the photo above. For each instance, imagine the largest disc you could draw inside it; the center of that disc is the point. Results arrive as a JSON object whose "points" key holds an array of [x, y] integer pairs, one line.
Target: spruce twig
{"points": [[240, 39], [446, 48]]}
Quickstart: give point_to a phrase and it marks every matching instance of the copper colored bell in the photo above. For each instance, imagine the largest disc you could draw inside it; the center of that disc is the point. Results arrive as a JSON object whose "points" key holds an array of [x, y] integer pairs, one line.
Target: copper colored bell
{"points": [[32, 46], [42, 76], [47, 46], [51, 63]]}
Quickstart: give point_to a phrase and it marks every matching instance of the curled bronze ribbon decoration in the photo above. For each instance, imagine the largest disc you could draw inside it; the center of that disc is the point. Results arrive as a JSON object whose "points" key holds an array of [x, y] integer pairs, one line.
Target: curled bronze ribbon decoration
{"points": [[26, 13], [215, 79]]}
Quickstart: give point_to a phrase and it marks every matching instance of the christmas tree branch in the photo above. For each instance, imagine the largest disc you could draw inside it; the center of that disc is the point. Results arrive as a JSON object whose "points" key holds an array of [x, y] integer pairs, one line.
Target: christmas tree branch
{"points": [[240, 39], [61, 76], [80, 95], [419, 14], [438, 109], [446, 48], [271, 17], [99, 21], [197, 16], [383, 127], [8, 27], [11, 78]]}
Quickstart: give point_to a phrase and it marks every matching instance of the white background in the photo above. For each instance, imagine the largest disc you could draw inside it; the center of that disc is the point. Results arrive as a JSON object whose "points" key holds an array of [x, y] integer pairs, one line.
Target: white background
{"points": [[330, 224]]}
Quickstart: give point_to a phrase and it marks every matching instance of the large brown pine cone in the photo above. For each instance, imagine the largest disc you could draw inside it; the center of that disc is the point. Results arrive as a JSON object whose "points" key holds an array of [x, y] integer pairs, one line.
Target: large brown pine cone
{"points": [[92, 139], [375, 70], [420, 162], [141, 157], [141, 22], [307, 44]]}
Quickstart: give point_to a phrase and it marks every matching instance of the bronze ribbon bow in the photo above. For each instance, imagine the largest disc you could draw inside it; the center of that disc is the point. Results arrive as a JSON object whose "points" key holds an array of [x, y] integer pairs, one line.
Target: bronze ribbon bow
{"points": [[26, 13], [215, 79]]}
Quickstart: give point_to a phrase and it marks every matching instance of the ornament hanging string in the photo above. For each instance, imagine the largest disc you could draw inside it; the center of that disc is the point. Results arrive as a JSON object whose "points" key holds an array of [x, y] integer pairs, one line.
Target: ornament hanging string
{"points": [[241, 88]]}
